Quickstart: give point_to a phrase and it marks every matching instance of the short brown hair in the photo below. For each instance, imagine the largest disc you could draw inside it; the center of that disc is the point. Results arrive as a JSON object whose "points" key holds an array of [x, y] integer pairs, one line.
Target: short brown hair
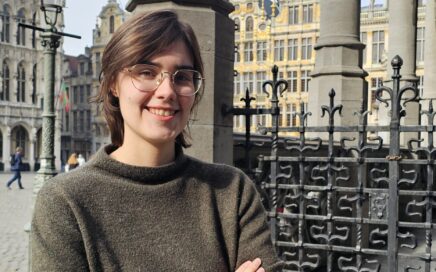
{"points": [[141, 37]]}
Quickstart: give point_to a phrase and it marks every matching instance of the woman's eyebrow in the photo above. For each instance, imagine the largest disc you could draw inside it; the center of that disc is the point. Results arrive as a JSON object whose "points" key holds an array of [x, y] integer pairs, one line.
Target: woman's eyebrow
{"points": [[189, 67]]}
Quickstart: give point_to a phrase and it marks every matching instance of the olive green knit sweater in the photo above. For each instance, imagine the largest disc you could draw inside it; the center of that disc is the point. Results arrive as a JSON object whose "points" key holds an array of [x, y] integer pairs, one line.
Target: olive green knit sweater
{"points": [[184, 216]]}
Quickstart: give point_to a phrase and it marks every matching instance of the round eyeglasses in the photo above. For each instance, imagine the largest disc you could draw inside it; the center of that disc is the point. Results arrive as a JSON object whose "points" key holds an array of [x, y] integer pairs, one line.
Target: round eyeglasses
{"points": [[147, 78]]}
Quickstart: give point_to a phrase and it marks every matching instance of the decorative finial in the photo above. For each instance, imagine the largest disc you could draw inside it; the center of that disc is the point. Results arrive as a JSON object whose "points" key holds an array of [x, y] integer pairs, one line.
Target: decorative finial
{"points": [[397, 62]]}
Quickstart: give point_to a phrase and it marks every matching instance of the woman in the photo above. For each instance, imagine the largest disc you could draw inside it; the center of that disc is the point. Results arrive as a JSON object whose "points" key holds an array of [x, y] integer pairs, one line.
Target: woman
{"points": [[140, 204]]}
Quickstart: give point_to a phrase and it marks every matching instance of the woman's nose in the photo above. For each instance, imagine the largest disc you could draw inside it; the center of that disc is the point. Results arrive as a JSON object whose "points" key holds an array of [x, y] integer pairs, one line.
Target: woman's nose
{"points": [[166, 87]]}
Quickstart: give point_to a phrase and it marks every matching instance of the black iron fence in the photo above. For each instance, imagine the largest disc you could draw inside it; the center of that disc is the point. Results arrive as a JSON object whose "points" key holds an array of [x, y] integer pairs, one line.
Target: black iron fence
{"points": [[353, 203]]}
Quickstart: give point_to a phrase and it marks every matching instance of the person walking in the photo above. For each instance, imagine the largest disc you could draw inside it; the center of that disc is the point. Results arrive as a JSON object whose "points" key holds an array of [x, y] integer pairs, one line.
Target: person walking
{"points": [[16, 163]]}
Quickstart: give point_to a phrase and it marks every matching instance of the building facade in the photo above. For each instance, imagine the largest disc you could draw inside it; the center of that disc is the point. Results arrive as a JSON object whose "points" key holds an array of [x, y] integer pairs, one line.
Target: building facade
{"points": [[284, 33], [84, 128], [75, 109], [22, 82]]}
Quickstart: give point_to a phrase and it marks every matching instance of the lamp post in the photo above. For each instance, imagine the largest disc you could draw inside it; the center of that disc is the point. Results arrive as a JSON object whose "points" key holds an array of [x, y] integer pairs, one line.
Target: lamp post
{"points": [[50, 41]]}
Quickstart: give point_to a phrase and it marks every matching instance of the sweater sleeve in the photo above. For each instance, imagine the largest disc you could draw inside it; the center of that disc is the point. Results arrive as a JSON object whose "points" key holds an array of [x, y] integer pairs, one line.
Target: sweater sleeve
{"points": [[56, 242], [255, 237]]}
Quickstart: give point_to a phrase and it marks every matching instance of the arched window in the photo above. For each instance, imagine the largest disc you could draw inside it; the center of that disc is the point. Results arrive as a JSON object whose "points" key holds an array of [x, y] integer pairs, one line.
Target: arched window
{"points": [[21, 83], [249, 24], [34, 83], [111, 24], [6, 18], [19, 138], [21, 33], [4, 95]]}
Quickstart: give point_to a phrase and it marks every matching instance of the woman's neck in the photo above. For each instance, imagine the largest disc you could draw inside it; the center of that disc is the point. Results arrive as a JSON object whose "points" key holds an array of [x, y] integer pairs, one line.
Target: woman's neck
{"points": [[144, 154]]}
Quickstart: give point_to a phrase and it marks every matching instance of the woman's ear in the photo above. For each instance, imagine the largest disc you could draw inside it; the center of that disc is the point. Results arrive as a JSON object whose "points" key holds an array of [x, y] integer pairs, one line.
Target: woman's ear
{"points": [[114, 92]]}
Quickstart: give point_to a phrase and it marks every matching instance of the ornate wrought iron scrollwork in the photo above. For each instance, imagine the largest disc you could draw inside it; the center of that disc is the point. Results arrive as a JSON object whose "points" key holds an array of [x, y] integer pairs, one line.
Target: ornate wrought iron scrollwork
{"points": [[358, 268]]}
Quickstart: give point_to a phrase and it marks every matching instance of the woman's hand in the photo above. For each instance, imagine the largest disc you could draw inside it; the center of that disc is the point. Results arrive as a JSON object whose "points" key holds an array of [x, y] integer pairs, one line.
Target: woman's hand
{"points": [[251, 266]]}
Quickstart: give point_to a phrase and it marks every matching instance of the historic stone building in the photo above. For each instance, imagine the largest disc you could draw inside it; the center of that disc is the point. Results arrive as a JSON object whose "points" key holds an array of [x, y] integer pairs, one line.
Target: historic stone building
{"points": [[22, 82], [285, 33], [84, 129], [76, 115], [109, 19]]}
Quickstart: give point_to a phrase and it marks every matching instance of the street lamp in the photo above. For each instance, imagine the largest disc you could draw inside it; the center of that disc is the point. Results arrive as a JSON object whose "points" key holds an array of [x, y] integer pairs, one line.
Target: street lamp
{"points": [[50, 41]]}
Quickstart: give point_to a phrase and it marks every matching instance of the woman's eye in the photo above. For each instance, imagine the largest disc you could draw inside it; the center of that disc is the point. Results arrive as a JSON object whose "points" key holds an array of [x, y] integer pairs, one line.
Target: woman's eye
{"points": [[147, 73], [183, 77]]}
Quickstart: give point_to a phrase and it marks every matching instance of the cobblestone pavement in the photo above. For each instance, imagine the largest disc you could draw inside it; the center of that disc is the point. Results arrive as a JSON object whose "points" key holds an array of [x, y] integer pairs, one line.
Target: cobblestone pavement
{"points": [[15, 213]]}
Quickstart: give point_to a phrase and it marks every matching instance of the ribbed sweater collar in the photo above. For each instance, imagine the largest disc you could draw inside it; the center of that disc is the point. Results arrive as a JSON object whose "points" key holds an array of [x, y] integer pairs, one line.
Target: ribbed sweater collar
{"points": [[149, 175]]}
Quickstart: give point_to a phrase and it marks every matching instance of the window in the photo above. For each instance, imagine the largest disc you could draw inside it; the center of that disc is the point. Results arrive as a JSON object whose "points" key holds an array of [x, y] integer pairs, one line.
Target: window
{"points": [[420, 41], [21, 83], [262, 50], [82, 68], [281, 116], [88, 92], [111, 24], [34, 31], [279, 50], [292, 49], [305, 79], [308, 13], [235, 121], [75, 95], [378, 46], [88, 120], [34, 83], [363, 38], [74, 121], [5, 18], [237, 83], [249, 24], [306, 48], [82, 94], [248, 82], [97, 63], [293, 15], [376, 82], [292, 81], [67, 121], [81, 121], [21, 32], [248, 52], [4, 95], [288, 115], [260, 79]]}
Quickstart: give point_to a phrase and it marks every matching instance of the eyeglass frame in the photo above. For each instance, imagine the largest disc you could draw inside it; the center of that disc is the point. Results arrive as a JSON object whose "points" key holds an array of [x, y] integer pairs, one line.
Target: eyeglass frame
{"points": [[170, 75]]}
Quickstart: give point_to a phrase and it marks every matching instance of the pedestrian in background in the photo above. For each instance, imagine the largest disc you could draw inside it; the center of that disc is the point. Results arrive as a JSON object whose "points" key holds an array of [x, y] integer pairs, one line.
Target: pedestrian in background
{"points": [[72, 162], [141, 203], [16, 164], [81, 160]]}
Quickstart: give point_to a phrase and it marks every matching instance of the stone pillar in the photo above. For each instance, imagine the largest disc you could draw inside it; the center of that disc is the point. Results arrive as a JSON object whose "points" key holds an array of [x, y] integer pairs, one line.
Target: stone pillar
{"points": [[430, 54], [212, 133], [32, 143], [338, 63], [402, 42]]}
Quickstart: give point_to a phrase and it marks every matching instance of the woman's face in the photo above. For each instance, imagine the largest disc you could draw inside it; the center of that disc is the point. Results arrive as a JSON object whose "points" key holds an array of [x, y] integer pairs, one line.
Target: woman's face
{"points": [[155, 117]]}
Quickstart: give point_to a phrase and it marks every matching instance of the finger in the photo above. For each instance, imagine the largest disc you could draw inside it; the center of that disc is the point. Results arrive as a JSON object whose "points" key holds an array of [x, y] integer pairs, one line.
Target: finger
{"points": [[260, 270], [255, 264], [243, 266]]}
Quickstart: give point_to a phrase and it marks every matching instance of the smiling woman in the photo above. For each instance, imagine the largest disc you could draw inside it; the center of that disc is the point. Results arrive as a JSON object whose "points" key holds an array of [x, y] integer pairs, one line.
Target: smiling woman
{"points": [[141, 204]]}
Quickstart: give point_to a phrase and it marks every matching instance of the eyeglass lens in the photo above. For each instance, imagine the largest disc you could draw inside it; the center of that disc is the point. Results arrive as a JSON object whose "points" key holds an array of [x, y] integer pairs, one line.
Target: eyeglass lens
{"points": [[147, 78]]}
